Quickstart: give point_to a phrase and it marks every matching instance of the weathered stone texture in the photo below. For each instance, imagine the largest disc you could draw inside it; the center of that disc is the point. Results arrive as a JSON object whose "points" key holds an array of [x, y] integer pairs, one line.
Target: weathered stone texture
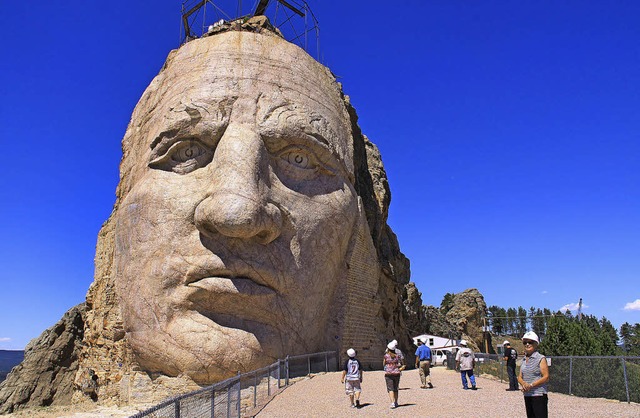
{"points": [[367, 305], [415, 318], [216, 262], [46, 374], [461, 319], [466, 315]]}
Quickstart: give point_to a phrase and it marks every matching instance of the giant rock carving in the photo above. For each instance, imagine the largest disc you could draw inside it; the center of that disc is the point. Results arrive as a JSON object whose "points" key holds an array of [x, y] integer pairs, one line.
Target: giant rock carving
{"points": [[249, 224]]}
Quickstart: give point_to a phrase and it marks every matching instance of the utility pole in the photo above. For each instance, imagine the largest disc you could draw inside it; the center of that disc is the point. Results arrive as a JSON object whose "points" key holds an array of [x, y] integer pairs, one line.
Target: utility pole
{"points": [[580, 310]]}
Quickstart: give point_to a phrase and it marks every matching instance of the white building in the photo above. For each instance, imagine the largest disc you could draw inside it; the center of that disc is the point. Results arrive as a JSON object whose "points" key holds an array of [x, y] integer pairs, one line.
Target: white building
{"points": [[433, 341]]}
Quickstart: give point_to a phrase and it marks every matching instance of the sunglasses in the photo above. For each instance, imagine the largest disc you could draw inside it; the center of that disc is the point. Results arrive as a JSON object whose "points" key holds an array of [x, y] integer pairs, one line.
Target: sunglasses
{"points": [[528, 342]]}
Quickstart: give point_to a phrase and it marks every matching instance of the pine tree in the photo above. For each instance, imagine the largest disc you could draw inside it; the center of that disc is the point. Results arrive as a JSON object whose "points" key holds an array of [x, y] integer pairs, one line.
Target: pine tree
{"points": [[625, 336], [521, 322], [609, 338]]}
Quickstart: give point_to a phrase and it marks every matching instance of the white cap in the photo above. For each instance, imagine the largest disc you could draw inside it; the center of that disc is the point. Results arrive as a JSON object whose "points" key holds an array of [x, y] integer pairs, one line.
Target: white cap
{"points": [[463, 342], [506, 342], [530, 335], [392, 345], [351, 352]]}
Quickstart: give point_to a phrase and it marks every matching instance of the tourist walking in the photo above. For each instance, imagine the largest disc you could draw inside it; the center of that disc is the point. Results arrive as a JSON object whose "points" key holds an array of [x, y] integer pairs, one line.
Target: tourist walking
{"points": [[393, 365], [352, 377], [533, 377], [510, 356], [465, 361], [423, 363]]}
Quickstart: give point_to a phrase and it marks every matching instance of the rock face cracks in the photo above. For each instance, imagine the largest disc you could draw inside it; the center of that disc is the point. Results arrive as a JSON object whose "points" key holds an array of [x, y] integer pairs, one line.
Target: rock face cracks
{"points": [[250, 224], [46, 375]]}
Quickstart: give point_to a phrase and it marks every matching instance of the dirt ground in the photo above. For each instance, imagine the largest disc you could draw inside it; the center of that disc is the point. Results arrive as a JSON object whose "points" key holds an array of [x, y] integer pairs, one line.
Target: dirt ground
{"points": [[323, 396]]}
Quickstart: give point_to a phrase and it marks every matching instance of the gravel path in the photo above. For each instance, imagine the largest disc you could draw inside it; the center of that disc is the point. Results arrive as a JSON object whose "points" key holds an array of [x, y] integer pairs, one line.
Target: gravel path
{"points": [[323, 396]]}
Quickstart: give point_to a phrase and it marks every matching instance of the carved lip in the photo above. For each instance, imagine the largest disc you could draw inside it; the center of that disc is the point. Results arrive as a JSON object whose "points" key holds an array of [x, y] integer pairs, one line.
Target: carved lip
{"points": [[232, 285], [217, 278], [231, 300]]}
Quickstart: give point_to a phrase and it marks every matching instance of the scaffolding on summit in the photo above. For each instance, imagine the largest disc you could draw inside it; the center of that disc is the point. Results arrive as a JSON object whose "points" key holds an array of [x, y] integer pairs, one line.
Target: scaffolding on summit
{"points": [[293, 19]]}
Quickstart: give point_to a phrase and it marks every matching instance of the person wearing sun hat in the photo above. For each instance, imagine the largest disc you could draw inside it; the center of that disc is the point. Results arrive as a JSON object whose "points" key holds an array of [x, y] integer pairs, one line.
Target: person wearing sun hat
{"points": [[533, 377], [352, 377], [465, 361], [510, 356], [393, 365]]}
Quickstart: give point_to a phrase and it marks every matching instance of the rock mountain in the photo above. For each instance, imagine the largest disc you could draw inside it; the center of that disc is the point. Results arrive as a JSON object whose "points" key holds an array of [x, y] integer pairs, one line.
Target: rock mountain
{"points": [[250, 209], [251, 213]]}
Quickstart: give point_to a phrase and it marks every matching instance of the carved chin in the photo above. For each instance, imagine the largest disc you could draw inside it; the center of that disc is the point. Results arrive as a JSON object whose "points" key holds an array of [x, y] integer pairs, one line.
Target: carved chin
{"points": [[206, 352]]}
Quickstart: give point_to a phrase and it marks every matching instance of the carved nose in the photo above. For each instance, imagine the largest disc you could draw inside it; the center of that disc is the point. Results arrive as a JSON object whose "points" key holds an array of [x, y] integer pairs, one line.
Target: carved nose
{"points": [[239, 216], [238, 204]]}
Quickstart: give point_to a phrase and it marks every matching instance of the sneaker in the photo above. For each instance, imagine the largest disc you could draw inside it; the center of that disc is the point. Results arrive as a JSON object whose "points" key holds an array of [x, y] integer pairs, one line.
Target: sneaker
{"points": [[396, 404], [465, 388], [357, 404], [353, 405], [473, 387], [430, 385], [393, 405]]}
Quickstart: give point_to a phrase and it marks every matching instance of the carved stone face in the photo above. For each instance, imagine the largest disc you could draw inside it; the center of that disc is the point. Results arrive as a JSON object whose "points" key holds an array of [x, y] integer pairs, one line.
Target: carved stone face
{"points": [[233, 234]]}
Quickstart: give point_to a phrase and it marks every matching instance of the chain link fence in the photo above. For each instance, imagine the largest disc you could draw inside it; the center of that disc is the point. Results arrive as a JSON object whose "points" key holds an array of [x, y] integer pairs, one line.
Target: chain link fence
{"points": [[610, 377], [238, 395]]}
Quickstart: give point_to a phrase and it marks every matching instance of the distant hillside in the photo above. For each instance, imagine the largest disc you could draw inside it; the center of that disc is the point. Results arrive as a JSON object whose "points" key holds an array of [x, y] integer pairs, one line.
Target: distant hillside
{"points": [[9, 359]]}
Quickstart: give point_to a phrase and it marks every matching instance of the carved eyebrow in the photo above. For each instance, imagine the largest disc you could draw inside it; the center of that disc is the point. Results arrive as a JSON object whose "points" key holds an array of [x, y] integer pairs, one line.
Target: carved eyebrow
{"points": [[184, 117], [300, 118]]}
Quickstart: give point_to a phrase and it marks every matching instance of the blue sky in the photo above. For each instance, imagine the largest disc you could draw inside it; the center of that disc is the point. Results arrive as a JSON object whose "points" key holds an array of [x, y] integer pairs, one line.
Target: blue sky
{"points": [[509, 131]]}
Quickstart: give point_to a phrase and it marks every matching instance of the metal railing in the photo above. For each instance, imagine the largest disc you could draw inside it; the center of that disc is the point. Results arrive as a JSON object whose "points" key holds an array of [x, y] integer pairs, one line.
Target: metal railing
{"points": [[238, 395], [610, 377]]}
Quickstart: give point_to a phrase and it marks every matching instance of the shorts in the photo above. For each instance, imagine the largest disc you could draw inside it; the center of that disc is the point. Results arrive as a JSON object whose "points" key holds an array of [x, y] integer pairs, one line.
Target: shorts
{"points": [[352, 386], [393, 382]]}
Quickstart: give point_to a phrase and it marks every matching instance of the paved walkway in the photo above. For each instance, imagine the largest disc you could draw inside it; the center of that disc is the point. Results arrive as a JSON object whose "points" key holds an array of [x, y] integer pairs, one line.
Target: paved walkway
{"points": [[323, 396]]}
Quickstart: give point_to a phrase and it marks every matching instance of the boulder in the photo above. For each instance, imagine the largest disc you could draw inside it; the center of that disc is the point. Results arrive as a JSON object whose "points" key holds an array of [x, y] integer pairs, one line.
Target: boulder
{"points": [[46, 374]]}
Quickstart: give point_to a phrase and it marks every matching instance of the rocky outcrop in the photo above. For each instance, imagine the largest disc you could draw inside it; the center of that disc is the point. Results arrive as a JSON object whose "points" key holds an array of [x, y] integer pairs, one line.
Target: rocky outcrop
{"points": [[415, 318], [466, 316], [437, 323], [461, 318], [46, 375]]}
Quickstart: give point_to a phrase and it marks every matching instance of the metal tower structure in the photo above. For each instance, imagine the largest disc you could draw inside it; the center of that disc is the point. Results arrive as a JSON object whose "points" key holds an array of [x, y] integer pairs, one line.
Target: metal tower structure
{"points": [[293, 18]]}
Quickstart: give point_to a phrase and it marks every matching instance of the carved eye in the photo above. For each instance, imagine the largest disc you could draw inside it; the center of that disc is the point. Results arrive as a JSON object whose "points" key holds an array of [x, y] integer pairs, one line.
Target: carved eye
{"points": [[184, 157], [187, 151], [297, 158]]}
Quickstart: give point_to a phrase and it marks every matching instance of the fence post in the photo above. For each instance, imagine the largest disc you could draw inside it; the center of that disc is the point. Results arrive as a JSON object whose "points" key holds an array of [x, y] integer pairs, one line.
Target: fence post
{"points": [[570, 373], [228, 401], [286, 371], [255, 388], [269, 384], [176, 409], [279, 373], [626, 380], [326, 363], [213, 403], [239, 394], [309, 364]]}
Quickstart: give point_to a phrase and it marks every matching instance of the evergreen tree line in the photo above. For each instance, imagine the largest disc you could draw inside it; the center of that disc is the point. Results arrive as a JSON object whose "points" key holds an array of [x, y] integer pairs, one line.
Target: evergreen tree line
{"points": [[563, 334]]}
